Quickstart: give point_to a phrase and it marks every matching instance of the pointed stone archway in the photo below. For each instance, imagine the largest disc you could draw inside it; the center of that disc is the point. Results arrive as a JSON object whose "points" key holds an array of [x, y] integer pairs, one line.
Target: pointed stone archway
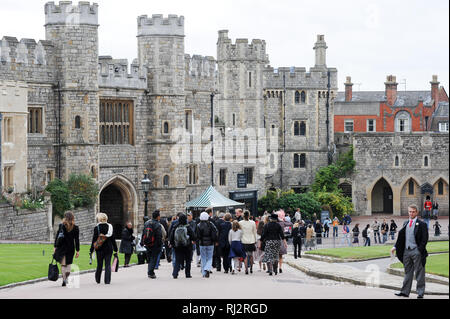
{"points": [[382, 197], [118, 199]]}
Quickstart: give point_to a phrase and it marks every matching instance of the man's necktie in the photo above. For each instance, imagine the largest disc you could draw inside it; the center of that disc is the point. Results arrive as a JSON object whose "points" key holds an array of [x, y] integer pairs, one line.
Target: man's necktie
{"points": [[410, 223]]}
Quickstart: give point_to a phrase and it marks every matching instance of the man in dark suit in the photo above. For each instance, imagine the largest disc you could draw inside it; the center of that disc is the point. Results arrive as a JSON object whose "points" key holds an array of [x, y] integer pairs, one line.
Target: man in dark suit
{"points": [[411, 251]]}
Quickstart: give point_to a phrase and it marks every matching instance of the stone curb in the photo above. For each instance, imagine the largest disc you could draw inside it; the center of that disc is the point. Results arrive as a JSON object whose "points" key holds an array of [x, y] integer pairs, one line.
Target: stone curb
{"points": [[329, 259], [428, 277], [350, 280], [33, 281]]}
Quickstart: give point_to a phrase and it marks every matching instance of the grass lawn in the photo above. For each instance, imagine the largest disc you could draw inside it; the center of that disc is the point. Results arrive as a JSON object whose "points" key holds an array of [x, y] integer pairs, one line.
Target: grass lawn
{"points": [[436, 265], [378, 251], [20, 262]]}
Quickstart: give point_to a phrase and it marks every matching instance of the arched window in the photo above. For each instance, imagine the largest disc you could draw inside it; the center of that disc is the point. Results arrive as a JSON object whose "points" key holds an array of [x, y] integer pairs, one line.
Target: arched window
{"points": [[411, 187], [397, 161], [77, 121], [297, 97], [403, 122], [303, 97], [166, 128], [166, 181], [425, 161], [440, 187]]}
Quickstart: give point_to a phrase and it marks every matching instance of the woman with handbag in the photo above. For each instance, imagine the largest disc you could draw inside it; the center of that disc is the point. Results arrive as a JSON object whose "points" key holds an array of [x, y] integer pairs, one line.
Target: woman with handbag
{"points": [[127, 243], [271, 239], [104, 243], [66, 242]]}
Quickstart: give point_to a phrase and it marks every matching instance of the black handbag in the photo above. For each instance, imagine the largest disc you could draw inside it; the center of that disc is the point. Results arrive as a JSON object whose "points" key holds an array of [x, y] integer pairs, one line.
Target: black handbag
{"points": [[53, 271]]}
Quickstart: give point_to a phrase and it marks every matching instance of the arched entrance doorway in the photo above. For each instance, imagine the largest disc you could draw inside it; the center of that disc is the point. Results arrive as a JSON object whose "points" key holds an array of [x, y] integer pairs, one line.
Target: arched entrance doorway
{"points": [[382, 198], [118, 199]]}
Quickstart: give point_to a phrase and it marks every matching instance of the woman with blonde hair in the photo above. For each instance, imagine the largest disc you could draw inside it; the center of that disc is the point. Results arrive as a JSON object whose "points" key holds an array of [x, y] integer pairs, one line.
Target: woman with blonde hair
{"points": [[66, 242], [236, 249], [104, 252]]}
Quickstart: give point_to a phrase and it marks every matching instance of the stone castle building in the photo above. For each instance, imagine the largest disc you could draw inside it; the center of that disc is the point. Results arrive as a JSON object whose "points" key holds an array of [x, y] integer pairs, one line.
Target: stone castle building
{"points": [[95, 115], [401, 147]]}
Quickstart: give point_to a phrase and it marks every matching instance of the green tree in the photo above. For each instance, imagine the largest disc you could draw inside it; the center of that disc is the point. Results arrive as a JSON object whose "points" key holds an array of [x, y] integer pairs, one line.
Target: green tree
{"points": [[306, 202], [339, 204], [83, 190], [60, 197]]}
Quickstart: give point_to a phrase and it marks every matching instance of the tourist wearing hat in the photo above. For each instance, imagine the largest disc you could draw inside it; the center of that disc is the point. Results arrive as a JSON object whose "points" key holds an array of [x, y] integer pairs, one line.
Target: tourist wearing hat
{"points": [[272, 238], [207, 236]]}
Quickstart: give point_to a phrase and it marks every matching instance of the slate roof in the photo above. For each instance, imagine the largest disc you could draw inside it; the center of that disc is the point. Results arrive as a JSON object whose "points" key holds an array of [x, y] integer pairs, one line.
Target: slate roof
{"points": [[404, 99]]}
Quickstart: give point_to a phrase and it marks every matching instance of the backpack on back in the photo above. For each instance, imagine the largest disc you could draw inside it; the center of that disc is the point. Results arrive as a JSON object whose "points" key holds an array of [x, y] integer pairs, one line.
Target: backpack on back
{"points": [[149, 236], [364, 232], [181, 237]]}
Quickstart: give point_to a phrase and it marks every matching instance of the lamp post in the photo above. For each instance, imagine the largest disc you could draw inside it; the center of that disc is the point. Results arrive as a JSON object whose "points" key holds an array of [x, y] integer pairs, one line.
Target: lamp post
{"points": [[145, 187]]}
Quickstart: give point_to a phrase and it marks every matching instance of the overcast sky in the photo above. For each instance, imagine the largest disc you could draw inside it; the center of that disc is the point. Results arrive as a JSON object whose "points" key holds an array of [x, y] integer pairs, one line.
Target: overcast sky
{"points": [[367, 40]]}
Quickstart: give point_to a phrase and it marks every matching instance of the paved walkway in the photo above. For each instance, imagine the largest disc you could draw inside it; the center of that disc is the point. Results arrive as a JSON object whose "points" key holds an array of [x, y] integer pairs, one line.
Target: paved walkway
{"points": [[371, 275], [133, 283]]}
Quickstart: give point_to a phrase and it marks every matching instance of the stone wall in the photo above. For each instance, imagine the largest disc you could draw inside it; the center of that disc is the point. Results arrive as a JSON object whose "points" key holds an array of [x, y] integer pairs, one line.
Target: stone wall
{"points": [[23, 224], [375, 159]]}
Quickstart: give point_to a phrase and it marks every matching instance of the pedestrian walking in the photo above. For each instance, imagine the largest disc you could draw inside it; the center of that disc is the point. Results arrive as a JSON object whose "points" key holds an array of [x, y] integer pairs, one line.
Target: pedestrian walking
{"points": [[182, 238], [164, 229], [309, 237], [346, 234], [427, 207], [217, 256], [326, 227], [270, 239], [366, 235], [335, 226], [248, 228], [355, 232], [318, 229], [287, 229], [297, 240], [384, 230], [392, 229], [435, 210], [259, 254], [224, 245], [193, 225], [105, 250], [152, 239], [411, 251], [237, 253], [66, 245], [376, 231], [207, 236], [127, 243], [437, 229], [298, 216]]}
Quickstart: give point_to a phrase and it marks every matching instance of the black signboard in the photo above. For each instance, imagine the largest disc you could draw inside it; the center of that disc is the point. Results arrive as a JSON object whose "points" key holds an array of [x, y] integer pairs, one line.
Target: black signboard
{"points": [[241, 181]]}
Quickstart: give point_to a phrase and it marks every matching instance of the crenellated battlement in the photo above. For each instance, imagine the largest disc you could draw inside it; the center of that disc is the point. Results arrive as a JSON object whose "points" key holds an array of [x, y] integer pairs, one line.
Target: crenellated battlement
{"points": [[157, 25], [68, 14], [298, 77], [114, 73], [200, 66], [241, 50], [26, 52]]}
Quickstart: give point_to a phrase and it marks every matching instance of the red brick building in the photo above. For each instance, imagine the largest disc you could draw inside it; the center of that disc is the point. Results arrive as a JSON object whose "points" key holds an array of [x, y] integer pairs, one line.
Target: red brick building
{"points": [[388, 111]]}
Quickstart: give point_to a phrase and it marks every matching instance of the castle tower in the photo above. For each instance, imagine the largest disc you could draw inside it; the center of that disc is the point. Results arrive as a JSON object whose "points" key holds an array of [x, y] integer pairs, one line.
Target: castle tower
{"points": [[240, 103], [161, 52], [73, 30]]}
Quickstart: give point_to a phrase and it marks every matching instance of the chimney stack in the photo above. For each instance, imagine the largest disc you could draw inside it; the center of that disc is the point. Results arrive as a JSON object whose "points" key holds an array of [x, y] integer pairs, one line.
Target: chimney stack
{"points": [[391, 89], [348, 89], [435, 91]]}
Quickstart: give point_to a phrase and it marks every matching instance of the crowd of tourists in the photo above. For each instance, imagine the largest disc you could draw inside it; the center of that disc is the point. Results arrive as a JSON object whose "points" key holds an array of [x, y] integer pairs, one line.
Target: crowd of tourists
{"points": [[232, 243]]}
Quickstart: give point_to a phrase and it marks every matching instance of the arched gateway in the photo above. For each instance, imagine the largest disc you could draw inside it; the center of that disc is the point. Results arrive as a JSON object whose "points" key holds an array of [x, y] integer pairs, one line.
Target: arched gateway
{"points": [[118, 199], [382, 197]]}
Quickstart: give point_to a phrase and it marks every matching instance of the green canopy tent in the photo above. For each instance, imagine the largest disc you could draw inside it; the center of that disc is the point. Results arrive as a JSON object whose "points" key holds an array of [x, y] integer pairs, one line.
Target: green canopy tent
{"points": [[211, 198]]}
